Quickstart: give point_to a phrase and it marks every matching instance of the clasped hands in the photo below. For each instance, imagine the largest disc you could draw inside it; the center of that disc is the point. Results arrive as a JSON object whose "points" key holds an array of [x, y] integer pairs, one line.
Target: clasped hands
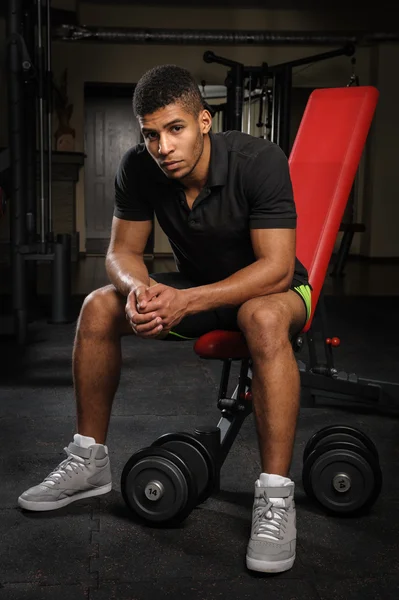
{"points": [[156, 309]]}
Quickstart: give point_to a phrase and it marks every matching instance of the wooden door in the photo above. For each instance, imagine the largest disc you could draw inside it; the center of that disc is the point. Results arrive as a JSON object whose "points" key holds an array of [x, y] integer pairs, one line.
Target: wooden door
{"points": [[110, 130]]}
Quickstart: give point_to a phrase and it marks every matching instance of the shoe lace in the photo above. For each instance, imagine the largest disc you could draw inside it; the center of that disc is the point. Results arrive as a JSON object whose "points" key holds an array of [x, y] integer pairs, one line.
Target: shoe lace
{"points": [[72, 464], [270, 517]]}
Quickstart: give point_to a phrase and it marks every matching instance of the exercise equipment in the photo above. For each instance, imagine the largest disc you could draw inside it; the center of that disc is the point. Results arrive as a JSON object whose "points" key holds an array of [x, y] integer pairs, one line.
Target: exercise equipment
{"points": [[342, 477], [269, 84], [341, 470], [271, 87], [32, 238], [343, 474], [162, 484], [158, 486], [340, 433], [199, 456], [322, 171]]}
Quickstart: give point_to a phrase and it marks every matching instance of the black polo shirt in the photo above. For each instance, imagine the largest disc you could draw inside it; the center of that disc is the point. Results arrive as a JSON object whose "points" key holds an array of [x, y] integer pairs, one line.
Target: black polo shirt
{"points": [[248, 187]]}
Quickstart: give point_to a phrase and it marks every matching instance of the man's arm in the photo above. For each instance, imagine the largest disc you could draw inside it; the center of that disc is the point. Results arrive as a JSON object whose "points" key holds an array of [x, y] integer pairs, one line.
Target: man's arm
{"points": [[271, 273], [125, 257]]}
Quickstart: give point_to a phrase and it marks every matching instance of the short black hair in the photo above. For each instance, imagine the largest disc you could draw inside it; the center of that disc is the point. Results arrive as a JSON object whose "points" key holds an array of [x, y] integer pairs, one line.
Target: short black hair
{"points": [[163, 85]]}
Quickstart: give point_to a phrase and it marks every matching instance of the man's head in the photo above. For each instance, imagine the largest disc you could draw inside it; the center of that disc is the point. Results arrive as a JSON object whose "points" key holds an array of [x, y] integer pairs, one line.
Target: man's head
{"points": [[172, 117]]}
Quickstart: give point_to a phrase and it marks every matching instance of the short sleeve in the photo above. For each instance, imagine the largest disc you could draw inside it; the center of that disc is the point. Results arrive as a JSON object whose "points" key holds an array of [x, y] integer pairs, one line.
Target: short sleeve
{"points": [[269, 190], [131, 202]]}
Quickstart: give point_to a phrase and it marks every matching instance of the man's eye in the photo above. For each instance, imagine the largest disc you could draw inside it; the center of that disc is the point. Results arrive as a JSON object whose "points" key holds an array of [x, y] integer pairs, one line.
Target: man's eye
{"points": [[177, 127], [151, 136]]}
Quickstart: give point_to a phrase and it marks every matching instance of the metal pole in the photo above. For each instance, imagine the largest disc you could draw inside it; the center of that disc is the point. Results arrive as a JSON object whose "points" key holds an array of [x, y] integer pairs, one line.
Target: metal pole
{"points": [[29, 27], [18, 170], [41, 124], [285, 116], [347, 50], [200, 37], [249, 104], [49, 122], [276, 108], [30, 129], [236, 95], [61, 292], [234, 84]]}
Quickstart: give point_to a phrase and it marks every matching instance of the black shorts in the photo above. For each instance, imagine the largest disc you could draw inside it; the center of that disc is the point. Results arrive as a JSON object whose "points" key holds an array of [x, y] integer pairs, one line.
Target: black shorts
{"points": [[193, 326]]}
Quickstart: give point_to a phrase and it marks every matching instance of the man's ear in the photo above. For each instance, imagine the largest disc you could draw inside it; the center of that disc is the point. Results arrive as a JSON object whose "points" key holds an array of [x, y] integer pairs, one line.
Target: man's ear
{"points": [[205, 119]]}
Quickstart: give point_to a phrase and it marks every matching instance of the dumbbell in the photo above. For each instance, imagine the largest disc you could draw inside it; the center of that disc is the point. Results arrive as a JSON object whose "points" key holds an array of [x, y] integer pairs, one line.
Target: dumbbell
{"points": [[162, 484], [341, 470]]}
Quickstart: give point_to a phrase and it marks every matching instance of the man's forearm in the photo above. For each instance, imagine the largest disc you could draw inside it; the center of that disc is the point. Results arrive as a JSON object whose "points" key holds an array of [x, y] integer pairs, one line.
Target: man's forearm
{"points": [[126, 271], [258, 279]]}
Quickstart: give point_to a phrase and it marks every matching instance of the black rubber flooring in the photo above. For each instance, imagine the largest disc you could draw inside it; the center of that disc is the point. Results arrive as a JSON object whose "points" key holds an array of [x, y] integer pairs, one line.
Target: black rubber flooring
{"points": [[93, 549]]}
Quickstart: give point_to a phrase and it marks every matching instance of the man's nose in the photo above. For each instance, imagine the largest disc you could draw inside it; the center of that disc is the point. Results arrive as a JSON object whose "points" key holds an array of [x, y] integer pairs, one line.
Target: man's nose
{"points": [[165, 145]]}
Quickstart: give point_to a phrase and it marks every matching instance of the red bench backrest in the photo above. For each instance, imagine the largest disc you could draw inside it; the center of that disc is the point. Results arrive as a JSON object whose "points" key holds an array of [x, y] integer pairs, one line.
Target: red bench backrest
{"points": [[323, 164]]}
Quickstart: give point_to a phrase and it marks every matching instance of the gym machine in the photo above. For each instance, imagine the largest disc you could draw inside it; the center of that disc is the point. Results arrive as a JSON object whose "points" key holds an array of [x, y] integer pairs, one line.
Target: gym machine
{"points": [[319, 377], [32, 238], [276, 78], [270, 86]]}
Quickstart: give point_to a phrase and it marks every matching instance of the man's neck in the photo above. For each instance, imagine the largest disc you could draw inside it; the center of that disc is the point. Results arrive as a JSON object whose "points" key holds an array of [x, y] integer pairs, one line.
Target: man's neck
{"points": [[198, 178]]}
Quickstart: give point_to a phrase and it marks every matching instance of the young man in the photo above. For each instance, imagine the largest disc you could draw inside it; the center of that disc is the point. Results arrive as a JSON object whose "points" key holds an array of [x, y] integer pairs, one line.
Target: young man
{"points": [[225, 202]]}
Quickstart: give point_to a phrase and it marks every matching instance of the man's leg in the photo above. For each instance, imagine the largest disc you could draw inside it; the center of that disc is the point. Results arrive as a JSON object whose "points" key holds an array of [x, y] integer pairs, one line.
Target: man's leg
{"points": [[97, 359], [97, 355], [96, 369], [97, 363], [268, 324]]}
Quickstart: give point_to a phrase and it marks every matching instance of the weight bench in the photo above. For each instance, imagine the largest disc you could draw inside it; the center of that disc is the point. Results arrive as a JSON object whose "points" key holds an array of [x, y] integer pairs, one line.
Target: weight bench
{"points": [[162, 483], [323, 164]]}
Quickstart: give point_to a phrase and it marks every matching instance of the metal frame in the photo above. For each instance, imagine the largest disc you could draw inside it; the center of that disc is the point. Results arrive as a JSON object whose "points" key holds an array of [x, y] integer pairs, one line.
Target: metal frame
{"points": [[281, 78], [320, 378], [29, 65]]}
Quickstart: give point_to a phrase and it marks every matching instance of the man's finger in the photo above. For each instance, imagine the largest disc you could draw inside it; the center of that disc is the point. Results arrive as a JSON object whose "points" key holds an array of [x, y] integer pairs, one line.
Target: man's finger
{"points": [[152, 306], [141, 319], [153, 291], [152, 327]]}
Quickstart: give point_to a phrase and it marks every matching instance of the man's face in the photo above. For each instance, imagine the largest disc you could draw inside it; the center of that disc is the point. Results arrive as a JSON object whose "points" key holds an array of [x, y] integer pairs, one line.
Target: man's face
{"points": [[175, 138]]}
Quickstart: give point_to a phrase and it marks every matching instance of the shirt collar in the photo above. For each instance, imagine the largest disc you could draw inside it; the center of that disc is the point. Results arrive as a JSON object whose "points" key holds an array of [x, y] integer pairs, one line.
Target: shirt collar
{"points": [[218, 164]]}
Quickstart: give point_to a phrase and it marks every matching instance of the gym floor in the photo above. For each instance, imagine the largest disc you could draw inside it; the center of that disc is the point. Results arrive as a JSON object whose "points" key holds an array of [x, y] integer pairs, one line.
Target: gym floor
{"points": [[94, 550]]}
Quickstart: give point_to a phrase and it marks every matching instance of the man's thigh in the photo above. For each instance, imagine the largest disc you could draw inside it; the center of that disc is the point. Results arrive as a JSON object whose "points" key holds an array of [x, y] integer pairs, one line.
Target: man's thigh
{"points": [[298, 301]]}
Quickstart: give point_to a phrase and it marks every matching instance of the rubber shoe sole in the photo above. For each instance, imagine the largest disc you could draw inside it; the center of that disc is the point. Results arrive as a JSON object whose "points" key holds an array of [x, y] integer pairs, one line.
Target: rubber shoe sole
{"points": [[42, 506], [264, 566]]}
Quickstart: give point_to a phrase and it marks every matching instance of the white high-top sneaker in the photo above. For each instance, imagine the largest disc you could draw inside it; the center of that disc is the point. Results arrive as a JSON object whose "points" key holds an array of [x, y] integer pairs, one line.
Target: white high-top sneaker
{"points": [[84, 473], [272, 545]]}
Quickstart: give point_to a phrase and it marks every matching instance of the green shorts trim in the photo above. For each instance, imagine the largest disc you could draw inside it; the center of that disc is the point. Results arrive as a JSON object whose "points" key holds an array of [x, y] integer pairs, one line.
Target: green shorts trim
{"points": [[305, 292], [180, 337]]}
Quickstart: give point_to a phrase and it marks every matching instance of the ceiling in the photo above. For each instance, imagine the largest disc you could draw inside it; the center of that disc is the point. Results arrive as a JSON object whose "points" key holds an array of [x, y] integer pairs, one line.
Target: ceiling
{"points": [[265, 4], [62, 16]]}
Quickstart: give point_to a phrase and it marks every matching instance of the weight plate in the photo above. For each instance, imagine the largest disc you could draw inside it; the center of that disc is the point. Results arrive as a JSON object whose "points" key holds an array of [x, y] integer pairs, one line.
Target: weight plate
{"points": [[158, 487], [342, 477], [196, 456], [340, 433]]}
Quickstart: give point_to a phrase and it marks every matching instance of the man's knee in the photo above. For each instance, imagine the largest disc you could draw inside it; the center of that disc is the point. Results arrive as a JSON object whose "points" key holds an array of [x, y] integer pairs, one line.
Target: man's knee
{"points": [[265, 324], [102, 310]]}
